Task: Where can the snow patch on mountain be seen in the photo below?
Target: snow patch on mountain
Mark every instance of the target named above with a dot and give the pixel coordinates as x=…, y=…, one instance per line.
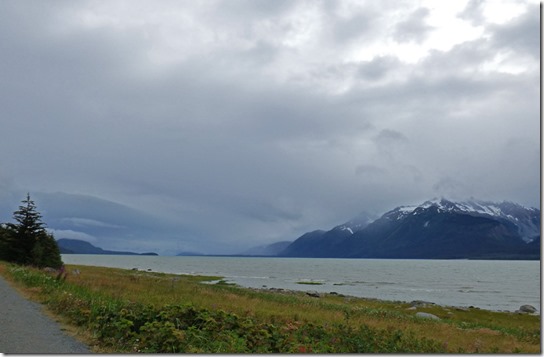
x=527, y=220
x=357, y=223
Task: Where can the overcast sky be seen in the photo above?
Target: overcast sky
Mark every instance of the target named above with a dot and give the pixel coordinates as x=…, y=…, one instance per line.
x=246, y=122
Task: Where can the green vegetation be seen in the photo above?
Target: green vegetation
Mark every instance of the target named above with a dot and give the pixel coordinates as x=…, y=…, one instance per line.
x=132, y=311
x=27, y=242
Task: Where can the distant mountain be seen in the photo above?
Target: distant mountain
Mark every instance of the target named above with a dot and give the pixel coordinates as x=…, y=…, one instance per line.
x=75, y=246
x=267, y=250
x=436, y=229
x=321, y=243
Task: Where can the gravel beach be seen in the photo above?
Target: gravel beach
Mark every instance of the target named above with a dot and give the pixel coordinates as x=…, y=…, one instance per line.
x=24, y=328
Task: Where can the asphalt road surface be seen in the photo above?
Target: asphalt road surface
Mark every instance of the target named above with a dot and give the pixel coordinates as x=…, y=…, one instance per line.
x=25, y=329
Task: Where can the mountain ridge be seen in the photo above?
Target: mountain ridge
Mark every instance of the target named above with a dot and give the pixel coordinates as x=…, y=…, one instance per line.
x=436, y=229
x=76, y=246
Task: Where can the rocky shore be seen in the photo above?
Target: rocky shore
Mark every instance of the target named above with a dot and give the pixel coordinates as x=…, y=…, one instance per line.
x=414, y=305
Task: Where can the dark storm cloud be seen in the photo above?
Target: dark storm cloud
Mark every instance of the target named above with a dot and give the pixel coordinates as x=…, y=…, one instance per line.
x=244, y=123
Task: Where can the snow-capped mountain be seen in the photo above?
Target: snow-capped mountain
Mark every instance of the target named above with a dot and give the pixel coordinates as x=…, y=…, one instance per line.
x=527, y=220
x=435, y=229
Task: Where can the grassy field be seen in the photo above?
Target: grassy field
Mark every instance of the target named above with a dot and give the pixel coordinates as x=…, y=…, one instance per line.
x=115, y=310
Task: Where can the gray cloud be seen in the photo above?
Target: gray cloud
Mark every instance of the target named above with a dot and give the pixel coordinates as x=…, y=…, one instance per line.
x=413, y=28
x=389, y=137
x=252, y=122
x=241, y=10
x=355, y=27
x=519, y=35
x=370, y=170
x=473, y=12
x=70, y=234
x=378, y=68
x=450, y=187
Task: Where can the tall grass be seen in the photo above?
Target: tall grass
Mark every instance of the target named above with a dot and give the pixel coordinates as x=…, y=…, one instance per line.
x=133, y=311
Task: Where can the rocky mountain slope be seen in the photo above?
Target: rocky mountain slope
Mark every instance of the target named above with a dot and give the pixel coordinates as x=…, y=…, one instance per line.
x=436, y=229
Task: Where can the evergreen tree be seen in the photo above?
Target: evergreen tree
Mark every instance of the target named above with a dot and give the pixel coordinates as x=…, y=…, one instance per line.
x=27, y=241
x=46, y=252
x=7, y=242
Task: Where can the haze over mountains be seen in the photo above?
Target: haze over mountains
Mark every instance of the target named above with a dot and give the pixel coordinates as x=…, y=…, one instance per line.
x=435, y=229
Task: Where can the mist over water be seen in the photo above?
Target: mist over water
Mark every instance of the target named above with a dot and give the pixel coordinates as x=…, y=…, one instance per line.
x=487, y=284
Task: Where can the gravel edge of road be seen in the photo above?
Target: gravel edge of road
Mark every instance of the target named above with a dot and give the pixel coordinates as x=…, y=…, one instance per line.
x=25, y=328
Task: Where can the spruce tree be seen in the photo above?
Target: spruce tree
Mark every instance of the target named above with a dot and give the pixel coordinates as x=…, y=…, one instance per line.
x=7, y=242
x=29, y=242
x=46, y=252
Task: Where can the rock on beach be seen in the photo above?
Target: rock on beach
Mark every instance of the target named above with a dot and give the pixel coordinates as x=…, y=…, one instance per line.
x=421, y=303
x=528, y=309
x=425, y=315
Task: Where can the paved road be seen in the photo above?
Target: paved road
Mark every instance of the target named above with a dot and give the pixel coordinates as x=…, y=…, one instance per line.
x=25, y=329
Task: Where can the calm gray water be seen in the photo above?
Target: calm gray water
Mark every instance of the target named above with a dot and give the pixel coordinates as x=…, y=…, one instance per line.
x=491, y=285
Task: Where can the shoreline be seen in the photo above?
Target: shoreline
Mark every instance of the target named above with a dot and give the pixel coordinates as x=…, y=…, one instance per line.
x=458, y=291
x=413, y=303
x=317, y=294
